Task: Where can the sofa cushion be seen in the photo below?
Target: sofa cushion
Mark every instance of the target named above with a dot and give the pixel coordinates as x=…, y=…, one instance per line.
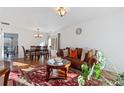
x=79, y=52
x=65, y=52
x=68, y=48
x=83, y=56
x=73, y=53
x=60, y=52
x=88, y=55
x=76, y=63
x=72, y=59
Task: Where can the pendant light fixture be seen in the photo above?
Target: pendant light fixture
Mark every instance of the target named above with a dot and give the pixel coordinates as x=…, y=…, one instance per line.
x=38, y=34
x=61, y=11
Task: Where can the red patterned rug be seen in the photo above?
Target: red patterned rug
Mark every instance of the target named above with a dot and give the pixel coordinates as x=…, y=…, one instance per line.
x=38, y=78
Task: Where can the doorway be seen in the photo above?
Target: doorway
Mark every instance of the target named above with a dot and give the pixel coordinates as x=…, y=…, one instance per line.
x=10, y=46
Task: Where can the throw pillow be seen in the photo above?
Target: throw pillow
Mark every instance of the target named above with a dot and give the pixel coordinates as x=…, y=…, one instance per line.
x=68, y=51
x=60, y=52
x=83, y=56
x=79, y=52
x=89, y=54
x=65, y=53
x=73, y=53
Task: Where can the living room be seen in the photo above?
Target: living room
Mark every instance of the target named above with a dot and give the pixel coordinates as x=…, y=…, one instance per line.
x=102, y=32
x=81, y=46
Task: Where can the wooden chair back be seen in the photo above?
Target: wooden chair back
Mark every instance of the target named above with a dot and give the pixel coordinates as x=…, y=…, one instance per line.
x=33, y=47
x=38, y=48
x=23, y=49
x=45, y=47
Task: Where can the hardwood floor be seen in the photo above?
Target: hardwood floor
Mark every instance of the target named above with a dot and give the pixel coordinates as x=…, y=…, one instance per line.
x=22, y=63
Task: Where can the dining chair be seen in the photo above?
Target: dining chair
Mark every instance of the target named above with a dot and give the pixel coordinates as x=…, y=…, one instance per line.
x=32, y=47
x=45, y=53
x=35, y=52
x=26, y=53
x=5, y=72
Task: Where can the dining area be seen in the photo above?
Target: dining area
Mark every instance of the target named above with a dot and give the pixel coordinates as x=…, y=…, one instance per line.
x=36, y=52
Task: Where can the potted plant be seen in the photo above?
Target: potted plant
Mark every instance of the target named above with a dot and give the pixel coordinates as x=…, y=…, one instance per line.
x=94, y=71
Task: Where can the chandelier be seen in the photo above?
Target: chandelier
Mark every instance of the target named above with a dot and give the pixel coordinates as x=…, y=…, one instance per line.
x=38, y=34
x=61, y=11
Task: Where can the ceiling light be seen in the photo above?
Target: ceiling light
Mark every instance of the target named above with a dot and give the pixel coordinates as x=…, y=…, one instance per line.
x=61, y=11
x=38, y=34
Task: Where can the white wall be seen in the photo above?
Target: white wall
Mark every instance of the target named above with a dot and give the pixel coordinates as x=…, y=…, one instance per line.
x=25, y=37
x=106, y=34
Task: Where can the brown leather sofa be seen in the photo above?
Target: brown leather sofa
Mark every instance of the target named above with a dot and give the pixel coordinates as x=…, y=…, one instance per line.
x=76, y=63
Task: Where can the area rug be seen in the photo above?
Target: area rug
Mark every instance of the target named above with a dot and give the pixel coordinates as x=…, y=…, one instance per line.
x=38, y=77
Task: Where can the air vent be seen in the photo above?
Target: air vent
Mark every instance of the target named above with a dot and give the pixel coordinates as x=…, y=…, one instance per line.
x=5, y=23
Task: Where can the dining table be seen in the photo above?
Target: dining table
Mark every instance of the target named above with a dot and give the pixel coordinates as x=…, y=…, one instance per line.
x=37, y=53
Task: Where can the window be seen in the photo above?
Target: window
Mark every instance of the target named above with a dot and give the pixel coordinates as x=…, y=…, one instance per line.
x=42, y=43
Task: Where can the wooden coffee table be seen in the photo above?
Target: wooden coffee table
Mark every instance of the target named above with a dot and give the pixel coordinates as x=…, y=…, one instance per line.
x=64, y=67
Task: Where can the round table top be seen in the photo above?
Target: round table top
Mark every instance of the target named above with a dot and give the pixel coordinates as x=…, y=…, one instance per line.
x=59, y=64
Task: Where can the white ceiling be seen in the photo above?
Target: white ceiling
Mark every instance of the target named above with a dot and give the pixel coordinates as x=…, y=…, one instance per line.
x=48, y=20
